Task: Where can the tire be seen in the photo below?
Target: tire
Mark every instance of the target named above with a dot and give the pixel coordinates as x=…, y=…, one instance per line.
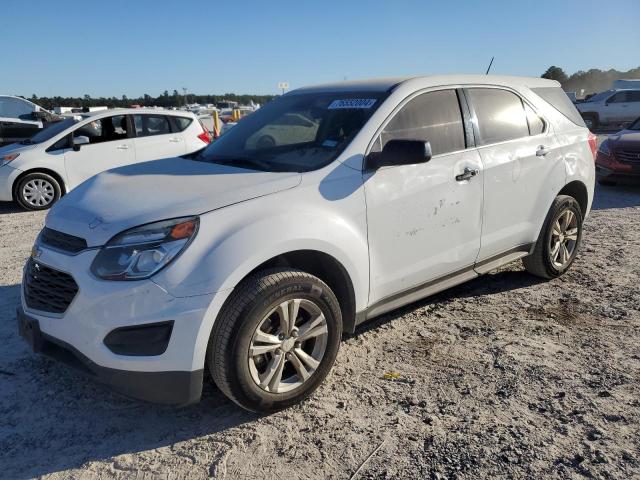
x=607, y=183
x=544, y=262
x=591, y=121
x=254, y=307
x=37, y=191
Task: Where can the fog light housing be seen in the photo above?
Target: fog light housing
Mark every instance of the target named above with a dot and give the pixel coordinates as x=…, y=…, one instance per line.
x=140, y=340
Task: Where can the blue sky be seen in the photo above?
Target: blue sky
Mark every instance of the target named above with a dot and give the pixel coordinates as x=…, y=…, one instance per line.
x=115, y=47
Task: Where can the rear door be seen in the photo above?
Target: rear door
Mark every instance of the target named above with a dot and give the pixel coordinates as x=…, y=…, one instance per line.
x=155, y=138
x=621, y=107
x=523, y=169
x=110, y=146
x=423, y=223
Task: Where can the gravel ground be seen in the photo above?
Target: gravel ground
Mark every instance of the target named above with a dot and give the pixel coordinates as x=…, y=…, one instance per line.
x=506, y=376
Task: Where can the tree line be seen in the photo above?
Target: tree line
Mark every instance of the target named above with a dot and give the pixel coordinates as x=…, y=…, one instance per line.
x=165, y=99
x=592, y=81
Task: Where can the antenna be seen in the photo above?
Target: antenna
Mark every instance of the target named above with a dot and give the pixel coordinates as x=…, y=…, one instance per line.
x=489, y=67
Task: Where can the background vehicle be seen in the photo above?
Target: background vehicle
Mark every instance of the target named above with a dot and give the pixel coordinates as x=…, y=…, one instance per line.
x=613, y=107
x=20, y=119
x=37, y=171
x=619, y=156
x=251, y=260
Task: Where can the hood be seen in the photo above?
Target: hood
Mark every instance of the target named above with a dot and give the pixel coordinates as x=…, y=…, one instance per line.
x=12, y=147
x=130, y=196
x=626, y=140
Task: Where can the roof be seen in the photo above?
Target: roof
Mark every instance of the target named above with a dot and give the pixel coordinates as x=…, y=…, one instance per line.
x=132, y=111
x=387, y=84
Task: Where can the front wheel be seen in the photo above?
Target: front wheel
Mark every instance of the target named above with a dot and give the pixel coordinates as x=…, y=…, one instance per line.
x=559, y=239
x=37, y=191
x=275, y=339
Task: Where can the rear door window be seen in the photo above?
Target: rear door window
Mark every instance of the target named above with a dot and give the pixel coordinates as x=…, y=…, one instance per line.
x=148, y=125
x=500, y=113
x=16, y=108
x=433, y=117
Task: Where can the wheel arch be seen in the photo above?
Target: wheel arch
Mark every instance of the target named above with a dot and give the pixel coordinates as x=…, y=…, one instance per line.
x=577, y=190
x=52, y=173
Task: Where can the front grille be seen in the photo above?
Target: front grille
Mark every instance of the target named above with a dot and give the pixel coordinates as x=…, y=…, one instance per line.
x=62, y=241
x=48, y=290
x=628, y=156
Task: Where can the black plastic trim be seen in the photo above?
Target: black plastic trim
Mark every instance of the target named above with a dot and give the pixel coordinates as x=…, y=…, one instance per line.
x=149, y=339
x=165, y=387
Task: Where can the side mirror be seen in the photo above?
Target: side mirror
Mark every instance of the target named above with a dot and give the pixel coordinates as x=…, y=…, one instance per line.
x=78, y=141
x=400, y=152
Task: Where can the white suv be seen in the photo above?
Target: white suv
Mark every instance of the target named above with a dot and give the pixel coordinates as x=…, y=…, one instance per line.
x=252, y=257
x=40, y=169
x=613, y=107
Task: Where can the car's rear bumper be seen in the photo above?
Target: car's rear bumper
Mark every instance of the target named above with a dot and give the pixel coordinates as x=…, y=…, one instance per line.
x=166, y=387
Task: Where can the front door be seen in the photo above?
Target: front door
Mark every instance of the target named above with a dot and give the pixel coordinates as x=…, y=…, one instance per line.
x=423, y=223
x=109, y=147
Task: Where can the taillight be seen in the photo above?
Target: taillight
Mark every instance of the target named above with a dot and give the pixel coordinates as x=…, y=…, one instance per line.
x=593, y=144
x=204, y=136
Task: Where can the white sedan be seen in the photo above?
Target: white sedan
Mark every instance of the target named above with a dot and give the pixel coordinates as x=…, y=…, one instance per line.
x=38, y=171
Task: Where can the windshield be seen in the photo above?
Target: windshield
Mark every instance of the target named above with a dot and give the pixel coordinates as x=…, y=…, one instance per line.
x=600, y=96
x=51, y=131
x=295, y=133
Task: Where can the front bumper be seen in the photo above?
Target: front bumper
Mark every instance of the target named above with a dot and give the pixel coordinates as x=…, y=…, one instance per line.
x=171, y=387
x=8, y=176
x=171, y=375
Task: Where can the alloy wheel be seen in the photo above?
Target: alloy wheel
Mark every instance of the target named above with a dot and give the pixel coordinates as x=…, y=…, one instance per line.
x=288, y=345
x=564, y=239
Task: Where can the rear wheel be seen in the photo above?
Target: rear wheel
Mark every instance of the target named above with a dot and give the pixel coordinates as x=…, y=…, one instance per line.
x=559, y=239
x=275, y=339
x=37, y=191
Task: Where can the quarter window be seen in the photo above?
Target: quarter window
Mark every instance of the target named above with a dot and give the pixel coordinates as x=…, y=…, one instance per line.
x=182, y=123
x=432, y=117
x=500, y=113
x=147, y=125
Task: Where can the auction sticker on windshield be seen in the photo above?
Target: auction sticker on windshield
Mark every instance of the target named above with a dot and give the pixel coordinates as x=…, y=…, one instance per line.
x=352, y=103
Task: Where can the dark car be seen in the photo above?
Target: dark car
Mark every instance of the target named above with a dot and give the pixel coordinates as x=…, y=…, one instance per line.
x=619, y=156
x=21, y=119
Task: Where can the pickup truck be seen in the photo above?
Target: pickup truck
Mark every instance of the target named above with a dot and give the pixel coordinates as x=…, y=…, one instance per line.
x=21, y=119
x=613, y=107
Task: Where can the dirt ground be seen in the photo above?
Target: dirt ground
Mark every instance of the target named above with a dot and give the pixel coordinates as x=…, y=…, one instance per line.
x=506, y=377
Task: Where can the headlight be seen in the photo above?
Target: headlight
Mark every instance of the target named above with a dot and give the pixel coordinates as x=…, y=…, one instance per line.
x=143, y=251
x=604, y=148
x=9, y=156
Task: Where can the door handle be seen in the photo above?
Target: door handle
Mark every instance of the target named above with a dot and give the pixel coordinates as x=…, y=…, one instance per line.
x=174, y=140
x=542, y=151
x=468, y=174
x=123, y=147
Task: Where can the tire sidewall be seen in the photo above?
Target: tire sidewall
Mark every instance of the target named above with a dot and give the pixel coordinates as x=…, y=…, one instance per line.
x=253, y=314
x=561, y=207
x=27, y=178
